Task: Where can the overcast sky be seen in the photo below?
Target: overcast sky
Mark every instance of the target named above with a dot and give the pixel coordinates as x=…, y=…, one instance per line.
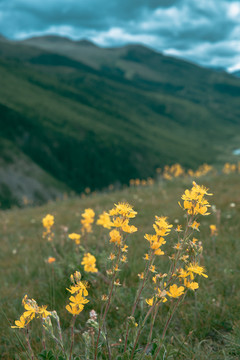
x=206, y=32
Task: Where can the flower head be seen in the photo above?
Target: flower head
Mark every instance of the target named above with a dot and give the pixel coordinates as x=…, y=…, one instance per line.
x=194, y=268
x=78, y=300
x=48, y=222
x=213, y=230
x=115, y=237
x=194, y=201
x=87, y=221
x=51, y=260
x=89, y=262
x=175, y=291
x=104, y=220
x=75, y=237
x=150, y=301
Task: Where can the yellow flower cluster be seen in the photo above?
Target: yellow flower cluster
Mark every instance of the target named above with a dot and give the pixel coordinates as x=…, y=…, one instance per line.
x=121, y=214
x=104, y=220
x=190, y=271
x=87, y=221
x=194, y=201
x=175, y=171
x=201, y=171
x=230, y=168
x=89, y=263
x=78, y=300
x=187, y=250
x=138, y=182
x=162, y=229
x=75, y=237
x=32, y=310
x=48, y=222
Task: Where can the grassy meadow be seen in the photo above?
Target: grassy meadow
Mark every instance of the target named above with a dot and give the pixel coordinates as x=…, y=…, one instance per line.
x=205, y=325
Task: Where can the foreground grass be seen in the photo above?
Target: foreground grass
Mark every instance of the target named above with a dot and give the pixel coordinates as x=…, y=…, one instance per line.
x=207, y=323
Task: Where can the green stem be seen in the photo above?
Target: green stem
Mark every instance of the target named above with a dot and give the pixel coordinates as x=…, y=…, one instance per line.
x=28, y=343
x=72, y=336
x=151, y=329
x=107, y=306
x=166, y=326
x=138, y=297
x=140, y=329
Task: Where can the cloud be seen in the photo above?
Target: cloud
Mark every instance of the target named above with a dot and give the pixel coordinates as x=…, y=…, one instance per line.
x=202, y=31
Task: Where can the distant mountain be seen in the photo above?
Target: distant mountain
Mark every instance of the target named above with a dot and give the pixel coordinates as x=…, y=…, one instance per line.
x=79, y=116
x=236, y=73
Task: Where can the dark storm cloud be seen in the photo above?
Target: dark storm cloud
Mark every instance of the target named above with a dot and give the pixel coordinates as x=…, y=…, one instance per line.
x=204, y=31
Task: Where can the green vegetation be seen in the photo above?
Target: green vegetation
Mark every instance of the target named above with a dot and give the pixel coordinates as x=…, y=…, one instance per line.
x=90, y=117
x=207, y=323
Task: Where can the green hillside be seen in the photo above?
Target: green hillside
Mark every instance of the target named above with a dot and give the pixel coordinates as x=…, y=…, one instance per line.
x=90, y=117
x=206, y=322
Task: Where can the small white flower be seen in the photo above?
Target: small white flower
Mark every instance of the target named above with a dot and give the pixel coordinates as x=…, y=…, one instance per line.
x=93, y=314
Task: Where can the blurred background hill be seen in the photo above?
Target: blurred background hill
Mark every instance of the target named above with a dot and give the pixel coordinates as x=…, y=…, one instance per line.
x=75, y=115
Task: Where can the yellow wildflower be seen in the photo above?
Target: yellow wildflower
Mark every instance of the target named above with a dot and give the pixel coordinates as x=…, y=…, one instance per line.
x=146, y=257
x=177, y=246
x=79, y=287
x=112, y=256
x=154, y=279
x=75, y=309
x=126, y=210
x=75, y=237
x=191, y=285
x=124, y=248
x=213, y=229
x=179, y=228
x=119, y=222
x=175, y=291
x=161, y=226
x=195, y=225
x=183, y=273
x=51, y=260
x=196, y=269
x=116, y=268
x=104, y=220
x=77, y=301
x=150, y=301
x=162, y=295
x=152, y=268
x=43, y=312
x=87, y=221
x=184, y=257
x=89, y=262
x=159, y=252
x=194, y=201
x=123, y=259
x=20, y=324
x=115, y=237
x=129, y=228
x=48, y=222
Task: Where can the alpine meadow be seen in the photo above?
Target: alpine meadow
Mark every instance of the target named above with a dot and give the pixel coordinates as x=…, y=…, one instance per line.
x=119, y=204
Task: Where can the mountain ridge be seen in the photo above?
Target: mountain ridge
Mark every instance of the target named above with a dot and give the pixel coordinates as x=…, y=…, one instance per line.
x=118, y=117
